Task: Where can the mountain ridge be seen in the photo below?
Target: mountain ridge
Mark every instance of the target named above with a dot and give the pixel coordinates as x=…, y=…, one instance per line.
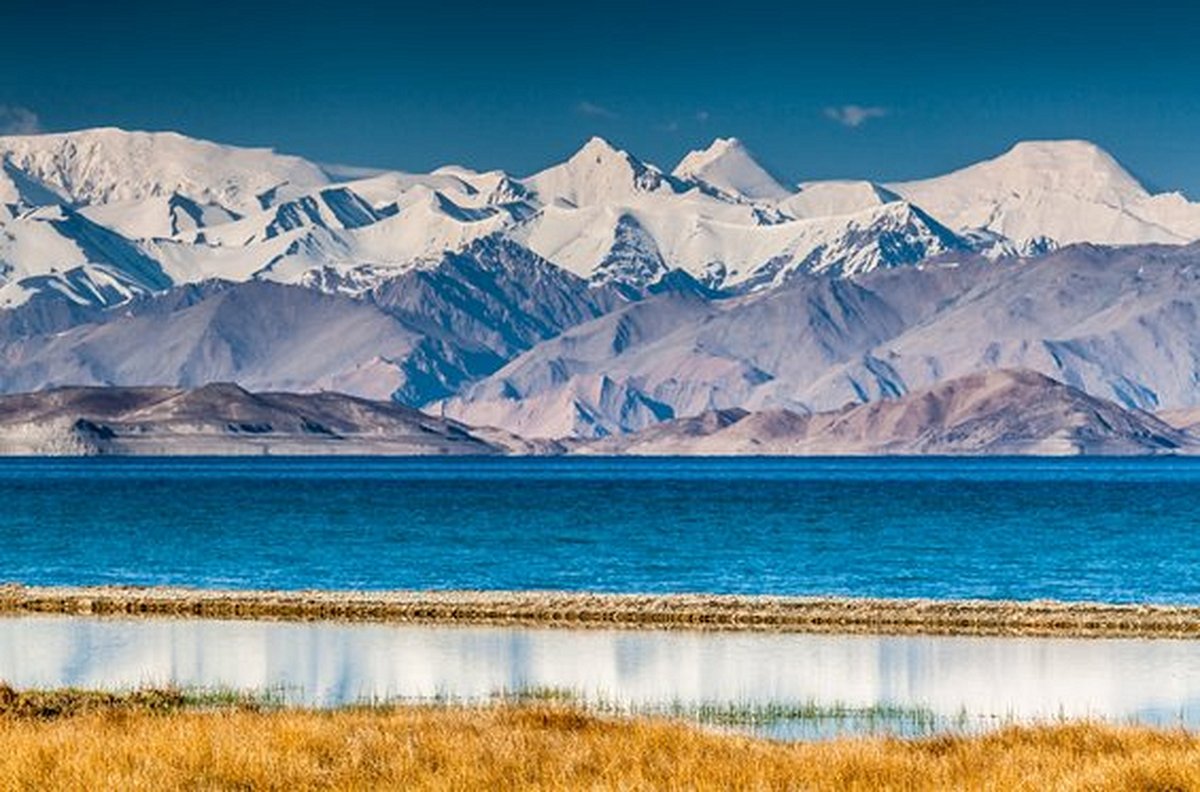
x=203, y=210
x=597, y=297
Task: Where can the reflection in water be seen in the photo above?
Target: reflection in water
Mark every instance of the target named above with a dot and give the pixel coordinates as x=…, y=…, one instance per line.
x=328, y=664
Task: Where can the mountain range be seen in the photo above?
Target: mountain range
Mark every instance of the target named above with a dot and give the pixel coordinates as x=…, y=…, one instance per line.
x=601, y=297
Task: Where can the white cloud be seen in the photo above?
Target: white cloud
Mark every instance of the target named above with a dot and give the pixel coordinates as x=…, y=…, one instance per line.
x=594, y=110
x=16, y=120
x=853, y=115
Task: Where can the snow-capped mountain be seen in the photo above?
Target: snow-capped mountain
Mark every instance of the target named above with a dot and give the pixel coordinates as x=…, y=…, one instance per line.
x=598, y=296
x=251, y=215
x=58, y=251
x=200, y=211
x=709, y=219
x=1063, y=191
x=889, y=235
x=727, y=167
x=103, y=215
x=597, y=174
x=107, y=166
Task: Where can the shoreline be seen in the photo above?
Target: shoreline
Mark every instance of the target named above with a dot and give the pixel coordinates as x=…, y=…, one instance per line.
x=584, y=610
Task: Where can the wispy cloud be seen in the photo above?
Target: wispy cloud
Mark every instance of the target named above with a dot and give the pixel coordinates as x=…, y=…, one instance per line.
x=669, y=126
x=15, y=120
x=853, y=115
x=702, y=116
x=594, y=110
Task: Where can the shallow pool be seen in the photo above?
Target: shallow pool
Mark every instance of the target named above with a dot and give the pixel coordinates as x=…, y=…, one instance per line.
x=781, y=685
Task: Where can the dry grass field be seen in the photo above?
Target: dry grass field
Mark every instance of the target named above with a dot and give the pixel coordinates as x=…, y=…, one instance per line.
x=166, y=741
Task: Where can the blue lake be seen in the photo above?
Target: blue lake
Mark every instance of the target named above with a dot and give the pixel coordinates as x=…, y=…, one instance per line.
x=1076, y=529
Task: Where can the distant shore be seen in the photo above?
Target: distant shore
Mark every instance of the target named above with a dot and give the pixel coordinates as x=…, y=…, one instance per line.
x=582, y=610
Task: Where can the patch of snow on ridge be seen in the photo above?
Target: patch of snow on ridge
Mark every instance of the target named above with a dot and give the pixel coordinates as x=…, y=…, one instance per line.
x=830, y=198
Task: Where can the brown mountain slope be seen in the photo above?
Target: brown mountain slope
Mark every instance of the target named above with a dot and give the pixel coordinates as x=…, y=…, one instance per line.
x=997, y=412
x=224, y=419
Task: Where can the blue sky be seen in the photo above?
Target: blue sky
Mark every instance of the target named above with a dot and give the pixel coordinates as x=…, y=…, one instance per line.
x=878, y=90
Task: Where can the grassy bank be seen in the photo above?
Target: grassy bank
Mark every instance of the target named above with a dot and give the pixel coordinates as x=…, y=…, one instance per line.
x=589, y=610
x=166, y=742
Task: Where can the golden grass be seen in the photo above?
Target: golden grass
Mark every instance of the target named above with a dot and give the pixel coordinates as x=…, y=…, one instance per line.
x=124, y=746
x=633, y=611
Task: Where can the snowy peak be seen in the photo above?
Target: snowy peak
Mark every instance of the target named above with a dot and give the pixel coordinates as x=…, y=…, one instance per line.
x=1072, y=156
x=598, y=173
x=1065, y=191
x=727, y=167
x=1032, y=169
x=1076, y=166
x=110, y=165
x=599, y=149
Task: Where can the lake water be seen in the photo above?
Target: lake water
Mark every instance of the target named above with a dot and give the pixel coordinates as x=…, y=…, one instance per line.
x=895, y=684
x=1076, y=529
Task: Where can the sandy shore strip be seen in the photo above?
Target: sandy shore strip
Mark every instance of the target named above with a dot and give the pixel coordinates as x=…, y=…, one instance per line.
x=622, y=611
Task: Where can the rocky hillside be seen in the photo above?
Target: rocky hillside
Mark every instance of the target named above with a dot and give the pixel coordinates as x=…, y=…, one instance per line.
x=995, y=413
x=223, y=419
